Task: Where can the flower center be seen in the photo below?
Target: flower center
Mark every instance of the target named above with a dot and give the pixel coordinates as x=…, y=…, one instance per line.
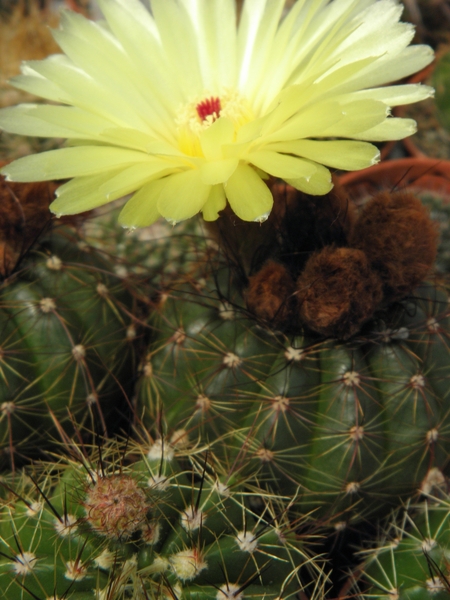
x=201, y=112
x=209, y=109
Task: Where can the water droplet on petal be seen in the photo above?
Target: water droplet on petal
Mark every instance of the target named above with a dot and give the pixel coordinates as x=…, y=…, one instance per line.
x=262, y=218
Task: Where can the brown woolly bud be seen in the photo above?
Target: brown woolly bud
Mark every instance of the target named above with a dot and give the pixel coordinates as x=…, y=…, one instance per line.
x=338, y=291
x=325, y=219
x=297, y=225
x=116, y=506
x=397, y=234
x=23, y=216
x=309, y=223
x=269, y=294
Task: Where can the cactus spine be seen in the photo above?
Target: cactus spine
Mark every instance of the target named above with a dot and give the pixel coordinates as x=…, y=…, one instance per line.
x=67, y=343
x=154, y=521
x=410, y=559
x=347, y=409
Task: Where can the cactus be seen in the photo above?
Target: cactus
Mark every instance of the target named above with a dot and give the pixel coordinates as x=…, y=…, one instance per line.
x=160, y=251
x=349, y=425
x=410, y=560
x=66, y=350
x=440, y=212
x=157, y=520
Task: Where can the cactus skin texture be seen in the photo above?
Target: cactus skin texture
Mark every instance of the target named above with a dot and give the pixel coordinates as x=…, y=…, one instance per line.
x=66, y=342
x=410, y=562
x=310, y=355
x=340, y=425
x=160, y=251
x=145, y=526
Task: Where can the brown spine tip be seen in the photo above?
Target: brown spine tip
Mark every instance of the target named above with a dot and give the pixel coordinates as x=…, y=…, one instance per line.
x=338, y=291
x=269, y=294
x=398, y=235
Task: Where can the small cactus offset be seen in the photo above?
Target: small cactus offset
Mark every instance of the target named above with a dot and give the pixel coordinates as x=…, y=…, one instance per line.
x=67, y=329
x=153, y=521
x=346, y=409
x=158, y=251
x=410, y=559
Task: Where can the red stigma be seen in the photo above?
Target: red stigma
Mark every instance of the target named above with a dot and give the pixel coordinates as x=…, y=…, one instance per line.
x=211, y=106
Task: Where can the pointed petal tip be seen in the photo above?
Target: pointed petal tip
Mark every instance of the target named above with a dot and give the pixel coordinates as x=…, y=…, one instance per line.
x=5, y=173
x=52, y=209
x=376, y=159
x=262, y=218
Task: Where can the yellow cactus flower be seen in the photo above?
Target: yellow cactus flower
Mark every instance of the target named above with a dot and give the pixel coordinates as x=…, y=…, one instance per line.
x=187, y=107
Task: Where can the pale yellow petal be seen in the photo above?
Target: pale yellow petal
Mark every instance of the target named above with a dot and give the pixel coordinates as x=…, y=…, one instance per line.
x=134, y=177
x=215, y=203
x=284, y=54
x=218, y=171
x=214, y=22
x=313, y=118
x=179, y=42
x=214, y=137
x=248, y=195
x=281, y=165
x=295, y=98
x=317, y=185
x=340, y=154
x=183, y=196
x=95, y=51
x=396, y=95
x=359, y=116
x=141, y=209
x=134, y=27
x=20, y=120
x=71, y=162
x=251, y=130
x=257, y=29
x=279, y=125
x=134, y=139
x=81, y=194
x=390, y=129
x=393, y=68
x=32, y=82
x=79, y=89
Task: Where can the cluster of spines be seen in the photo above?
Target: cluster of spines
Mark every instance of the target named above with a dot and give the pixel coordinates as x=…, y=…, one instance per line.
x=349, y=427
x=140, y=525
x=68, y=330
x=410, y=556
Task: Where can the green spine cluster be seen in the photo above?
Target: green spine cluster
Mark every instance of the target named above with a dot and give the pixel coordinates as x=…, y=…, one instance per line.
x=66, y=349
x=358, y=424
x=410, y=561
x=158, y=523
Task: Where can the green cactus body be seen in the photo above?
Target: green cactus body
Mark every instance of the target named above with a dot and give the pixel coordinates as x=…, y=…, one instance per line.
x=411, y=561
x=162, y=250
x=348, y=424
x=153, y=529
x=66, y=334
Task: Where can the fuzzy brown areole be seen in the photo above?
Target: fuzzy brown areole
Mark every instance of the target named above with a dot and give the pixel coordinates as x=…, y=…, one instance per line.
x=346, y=267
